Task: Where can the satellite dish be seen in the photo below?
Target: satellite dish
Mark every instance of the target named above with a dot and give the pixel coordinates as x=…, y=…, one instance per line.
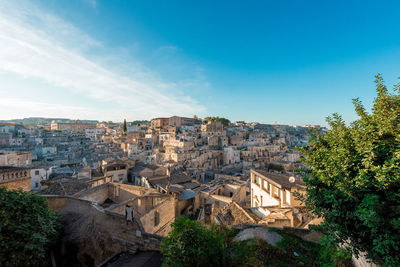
x=292, y=179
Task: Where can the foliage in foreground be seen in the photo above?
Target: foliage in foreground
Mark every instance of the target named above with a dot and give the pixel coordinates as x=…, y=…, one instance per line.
x=190, y=244
x=354, y=182
x=27, y=228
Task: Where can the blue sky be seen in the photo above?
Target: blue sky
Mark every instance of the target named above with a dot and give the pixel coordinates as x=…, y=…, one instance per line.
x=291, y=62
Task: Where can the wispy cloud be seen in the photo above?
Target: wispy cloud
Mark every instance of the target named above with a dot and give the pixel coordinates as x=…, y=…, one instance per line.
x=39, y=45
x=42, y=109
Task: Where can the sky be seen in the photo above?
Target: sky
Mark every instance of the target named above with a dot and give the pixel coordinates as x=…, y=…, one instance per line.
x=288, y=62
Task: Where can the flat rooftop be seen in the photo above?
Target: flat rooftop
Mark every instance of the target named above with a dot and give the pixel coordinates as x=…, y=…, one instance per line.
x=281, y=180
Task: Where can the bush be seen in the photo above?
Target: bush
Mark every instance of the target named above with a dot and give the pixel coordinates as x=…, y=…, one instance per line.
x=27, y=228
x=190, y=244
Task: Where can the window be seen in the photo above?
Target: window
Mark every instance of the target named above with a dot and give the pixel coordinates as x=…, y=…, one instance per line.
x=36, y=172
x=156, y=218
x=276, y=191
x=256, y=180
x=36, y=185
x=264, y=185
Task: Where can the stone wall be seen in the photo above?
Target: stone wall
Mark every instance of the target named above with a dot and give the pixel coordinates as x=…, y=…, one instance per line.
x=96, y=194
x=91, y=234
x=99, y=181
x=24, y=184
x=136, y=190
x=240, y=195
x=125, y=195
x=181, y=205
x=114, y=191
x=166, y=215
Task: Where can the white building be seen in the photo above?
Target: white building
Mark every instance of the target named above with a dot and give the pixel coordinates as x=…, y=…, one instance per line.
x=94, y=133
x=49, y=150
x=37, y=175
x=274, y=190
x=132, y=128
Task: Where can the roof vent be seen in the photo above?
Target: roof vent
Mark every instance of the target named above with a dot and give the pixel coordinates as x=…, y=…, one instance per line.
x=292, y=179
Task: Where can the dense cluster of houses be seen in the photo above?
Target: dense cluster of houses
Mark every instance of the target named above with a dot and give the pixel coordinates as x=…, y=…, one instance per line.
x=153, y=172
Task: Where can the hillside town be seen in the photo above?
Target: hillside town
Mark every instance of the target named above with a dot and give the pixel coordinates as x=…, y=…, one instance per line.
x=201, y=149
x=199, y=133
x=148, y=173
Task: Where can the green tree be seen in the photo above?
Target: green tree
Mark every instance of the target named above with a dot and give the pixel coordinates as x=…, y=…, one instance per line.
x=125, y=128
x=27, y=228
x=354, y=179
x=190, y=244
x=224, y=121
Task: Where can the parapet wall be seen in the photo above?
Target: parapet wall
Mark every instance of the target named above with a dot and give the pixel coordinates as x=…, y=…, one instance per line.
x=96, y=194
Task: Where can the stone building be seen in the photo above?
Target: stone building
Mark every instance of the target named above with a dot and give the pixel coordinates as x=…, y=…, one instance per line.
x=159, y=122
x=115, y=168
x=15, y=158
x=231, y=156
x=94, y=133
x=175, y=121
x=215, y=128
x=73, y=126
x=141, y=173
x=5, y=138
x=180, y=121
x=14, y=178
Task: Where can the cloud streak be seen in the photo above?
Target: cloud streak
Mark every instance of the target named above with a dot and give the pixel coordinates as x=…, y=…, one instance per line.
x=39, y=45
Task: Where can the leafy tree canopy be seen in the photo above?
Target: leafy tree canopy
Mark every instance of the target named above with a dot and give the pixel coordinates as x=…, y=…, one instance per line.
x=27, y=228
x=190, y=244
x=138, y=122
x=224, y=121
x=354, y=182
